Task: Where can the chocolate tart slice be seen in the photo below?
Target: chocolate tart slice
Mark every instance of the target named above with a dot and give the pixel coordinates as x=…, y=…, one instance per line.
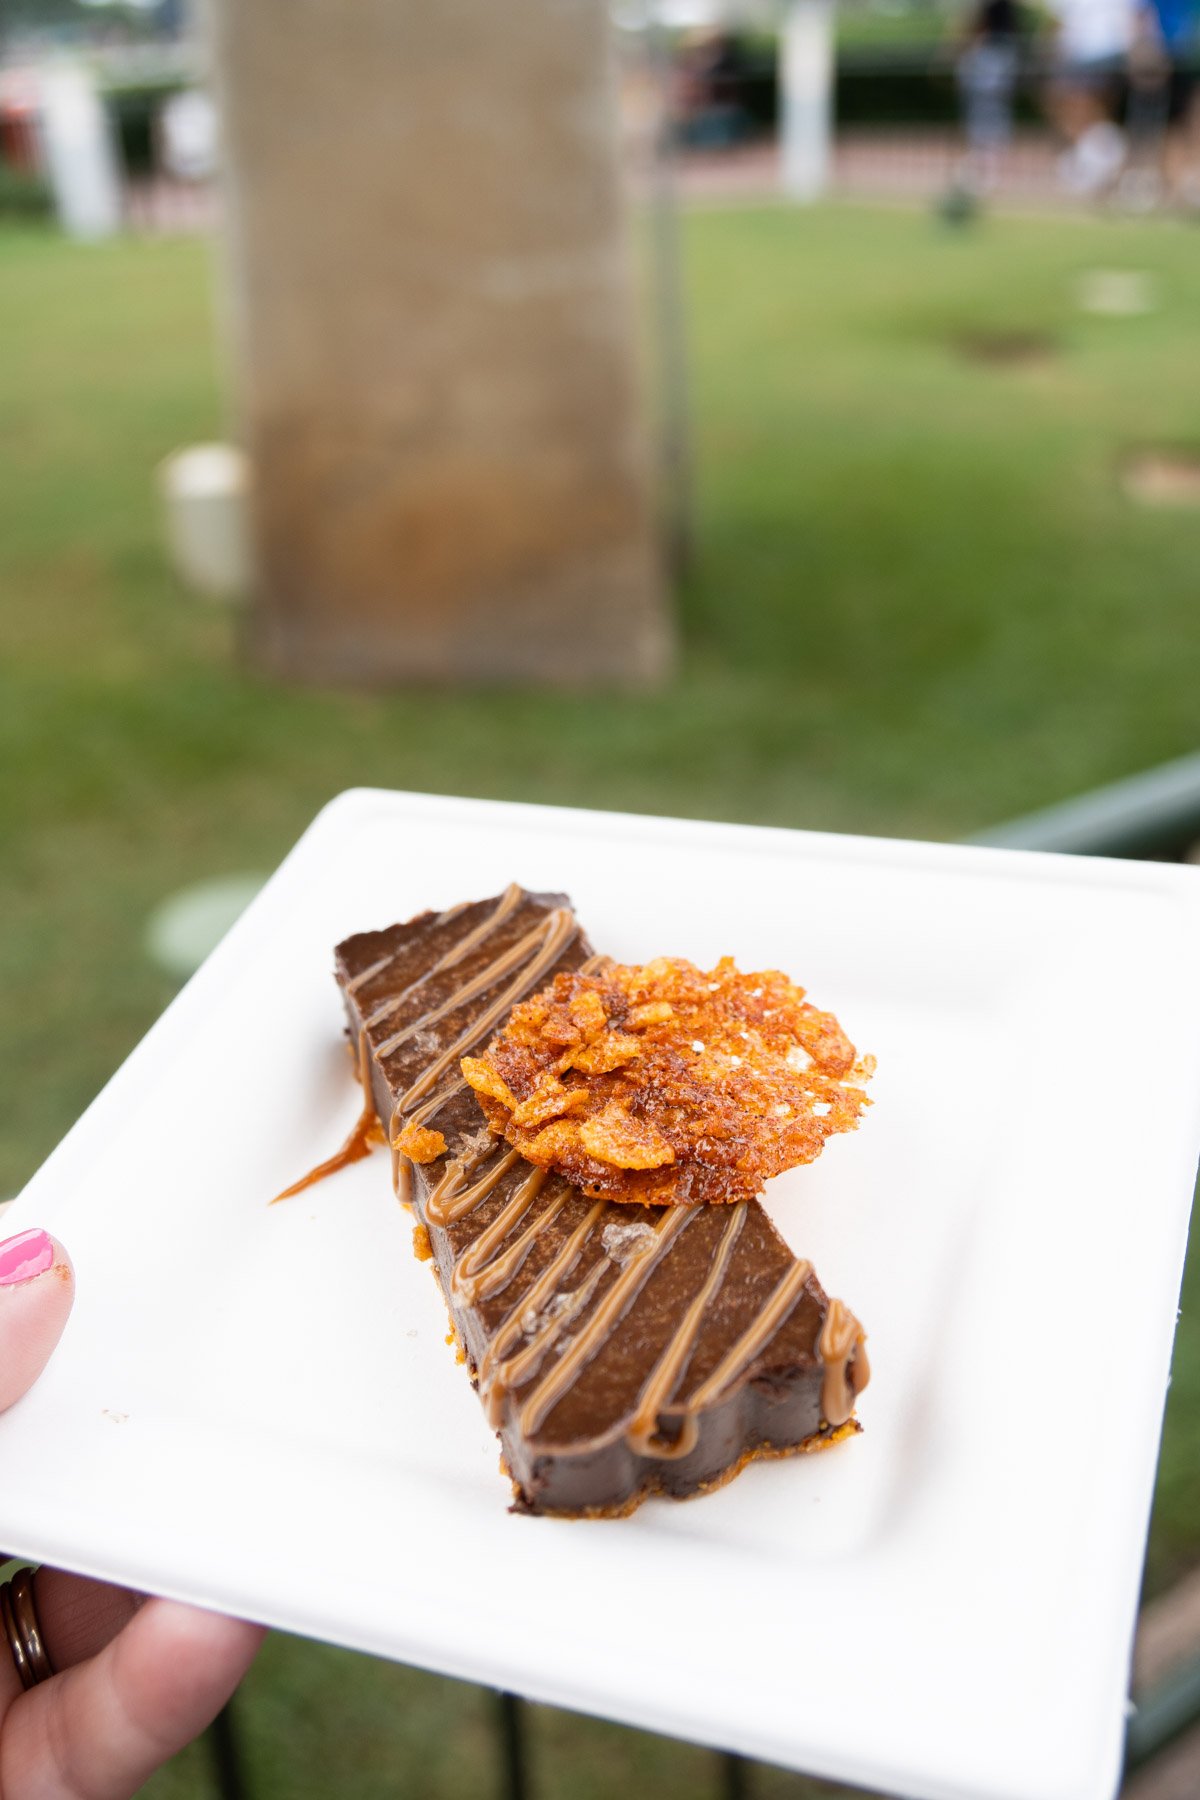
x=619, y=1350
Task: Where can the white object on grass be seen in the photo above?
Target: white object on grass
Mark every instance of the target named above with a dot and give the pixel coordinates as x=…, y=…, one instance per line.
x=189, y=926
x=1121, y=293
x=205, y=490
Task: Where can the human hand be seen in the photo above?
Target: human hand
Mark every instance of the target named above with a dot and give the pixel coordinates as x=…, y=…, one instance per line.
x=137, y=1679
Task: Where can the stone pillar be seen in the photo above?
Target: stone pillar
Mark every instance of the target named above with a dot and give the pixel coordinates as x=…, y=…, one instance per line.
x=434, y=339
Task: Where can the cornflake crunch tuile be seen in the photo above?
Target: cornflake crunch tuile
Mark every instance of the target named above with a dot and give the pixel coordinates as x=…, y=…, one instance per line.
x=664, y=1084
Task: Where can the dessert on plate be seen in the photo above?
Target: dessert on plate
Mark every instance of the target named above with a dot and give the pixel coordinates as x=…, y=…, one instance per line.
x=620, y=1348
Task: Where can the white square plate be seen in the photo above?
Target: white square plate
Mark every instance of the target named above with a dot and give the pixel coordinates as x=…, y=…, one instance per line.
x=943, y=1606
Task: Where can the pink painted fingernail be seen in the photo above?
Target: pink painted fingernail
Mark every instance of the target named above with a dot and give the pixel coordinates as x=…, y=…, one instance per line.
x=22, y=1257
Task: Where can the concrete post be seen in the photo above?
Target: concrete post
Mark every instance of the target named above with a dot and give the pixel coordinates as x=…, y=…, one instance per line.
x=434, y=340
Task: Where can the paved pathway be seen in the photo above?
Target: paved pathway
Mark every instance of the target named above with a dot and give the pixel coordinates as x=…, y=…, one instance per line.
x=915, y=167
x=885, y=165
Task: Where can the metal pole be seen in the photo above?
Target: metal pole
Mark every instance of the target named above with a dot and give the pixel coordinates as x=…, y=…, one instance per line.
x=735, y=1776
x=227, y=1762
x=1153, y=814
x=513, y=1768
x=1164, y=1714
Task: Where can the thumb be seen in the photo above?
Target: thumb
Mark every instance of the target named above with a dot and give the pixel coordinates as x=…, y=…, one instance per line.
x=37, y=1287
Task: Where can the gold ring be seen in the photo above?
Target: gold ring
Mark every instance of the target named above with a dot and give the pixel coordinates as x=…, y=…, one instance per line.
x=23, y=1629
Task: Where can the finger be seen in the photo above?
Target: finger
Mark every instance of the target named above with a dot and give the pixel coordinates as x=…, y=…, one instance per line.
x=79, y=1616
x=100, y=1730
x=37, y=1287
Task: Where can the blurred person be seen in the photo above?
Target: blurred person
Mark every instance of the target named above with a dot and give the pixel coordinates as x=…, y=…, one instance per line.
x=98, y=1687
x=1164, y=110
x=1149, y=70
x=1092, y=42
x=708, y=90
x=187, y=135
x=986, y=72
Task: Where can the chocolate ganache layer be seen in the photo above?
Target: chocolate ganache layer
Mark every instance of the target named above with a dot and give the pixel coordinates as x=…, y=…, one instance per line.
x=619, y=1350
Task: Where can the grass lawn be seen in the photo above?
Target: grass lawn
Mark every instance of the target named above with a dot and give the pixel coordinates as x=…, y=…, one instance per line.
x=920, y=604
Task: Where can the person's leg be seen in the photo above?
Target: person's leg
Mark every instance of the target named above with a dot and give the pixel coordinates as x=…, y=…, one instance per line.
x=1096, y=145
x=1181, y=148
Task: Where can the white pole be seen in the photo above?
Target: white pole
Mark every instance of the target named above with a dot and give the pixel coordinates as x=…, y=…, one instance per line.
x=806, y=94
x=79, y=152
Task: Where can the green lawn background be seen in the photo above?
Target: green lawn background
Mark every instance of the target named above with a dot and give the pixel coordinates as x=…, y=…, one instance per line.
x=920, y=604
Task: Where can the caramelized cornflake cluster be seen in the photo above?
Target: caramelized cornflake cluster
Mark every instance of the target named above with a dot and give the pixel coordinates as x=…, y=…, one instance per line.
x=419, y=1144
x=664, y=1084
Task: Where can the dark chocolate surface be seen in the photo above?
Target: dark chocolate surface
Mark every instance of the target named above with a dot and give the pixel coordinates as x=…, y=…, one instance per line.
x=619, y=1350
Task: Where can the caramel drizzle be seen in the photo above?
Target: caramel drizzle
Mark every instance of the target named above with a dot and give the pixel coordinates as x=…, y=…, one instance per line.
x=449, y=1201
x=368, y=1130
x=364, y=1135
x=620, y=1295
x=402, y=1175
x=509, y=959
x=401, y=1164
x=369, y=974
x=498, y=1375
x=504, y=1267
x=556, y=933
x=548, y=940
x=843, y=1380
x=482, y=1268
x=507, y=903
x=479, y=1271
x=509, y=900
x=641, y=1433
x=437, y=1209
x=758, y=1333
